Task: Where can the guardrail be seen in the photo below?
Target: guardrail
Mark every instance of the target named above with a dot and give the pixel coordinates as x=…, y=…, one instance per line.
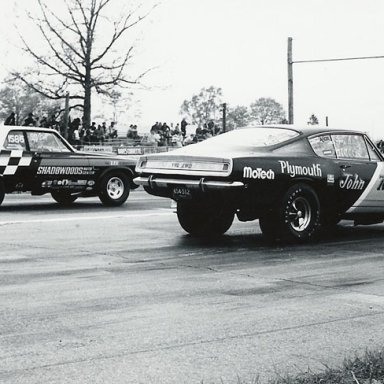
x=122, y=147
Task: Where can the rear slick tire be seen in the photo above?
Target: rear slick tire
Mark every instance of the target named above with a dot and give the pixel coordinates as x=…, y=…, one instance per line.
x=204, y=218
x=297, y=218
x=301, y=213
x=63, y=198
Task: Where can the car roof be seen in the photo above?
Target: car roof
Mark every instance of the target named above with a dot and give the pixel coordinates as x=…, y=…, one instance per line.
x=308, y=130
x=4, y=129
x=25, y=128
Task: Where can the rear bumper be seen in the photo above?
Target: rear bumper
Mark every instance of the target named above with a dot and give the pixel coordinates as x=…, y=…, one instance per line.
x=201, y=184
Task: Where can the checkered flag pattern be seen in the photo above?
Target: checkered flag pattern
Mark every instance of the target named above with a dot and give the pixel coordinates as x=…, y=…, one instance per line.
x=11, y=160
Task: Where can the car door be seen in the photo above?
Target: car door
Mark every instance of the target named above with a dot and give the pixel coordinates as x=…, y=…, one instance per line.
x=358, y=167
x=15, y=161
x=54, y=164
x=351, y=166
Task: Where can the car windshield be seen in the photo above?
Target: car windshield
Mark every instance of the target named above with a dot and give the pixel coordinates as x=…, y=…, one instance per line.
x=46, y=142
x=252, y=137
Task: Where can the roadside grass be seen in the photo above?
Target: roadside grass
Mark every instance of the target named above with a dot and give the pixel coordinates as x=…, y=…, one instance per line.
x=368, y=369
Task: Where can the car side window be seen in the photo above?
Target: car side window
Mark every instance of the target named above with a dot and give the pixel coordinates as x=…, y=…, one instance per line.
x=350, y=147
x=15, y=140
x=323, y=146
x=45, y=142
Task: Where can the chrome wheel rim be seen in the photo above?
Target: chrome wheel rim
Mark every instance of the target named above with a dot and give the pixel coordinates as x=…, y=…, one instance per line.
x=115, y=188
x=299, y=214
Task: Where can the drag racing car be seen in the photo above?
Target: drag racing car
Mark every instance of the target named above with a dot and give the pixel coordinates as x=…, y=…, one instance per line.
x=294, y=180
x=40, y=160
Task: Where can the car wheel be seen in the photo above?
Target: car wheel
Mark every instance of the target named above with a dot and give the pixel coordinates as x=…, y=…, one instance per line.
x=114, y=189
x=2, y=191
x=300, y=213
x=63, y=198
x=204, y=218
x=297, y=218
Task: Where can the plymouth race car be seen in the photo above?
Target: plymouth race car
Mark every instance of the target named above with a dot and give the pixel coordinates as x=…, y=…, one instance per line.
x=39, y=160
x=294, y=180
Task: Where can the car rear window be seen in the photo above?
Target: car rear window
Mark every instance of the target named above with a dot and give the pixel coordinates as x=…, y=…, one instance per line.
x=252, y=137
x=323, y=146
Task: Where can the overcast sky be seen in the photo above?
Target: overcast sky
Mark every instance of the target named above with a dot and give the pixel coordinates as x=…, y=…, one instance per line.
x=241, y=46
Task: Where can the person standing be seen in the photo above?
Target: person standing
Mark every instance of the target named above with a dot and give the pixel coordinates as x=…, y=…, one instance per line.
x=10, y=120
x=99, y=134
x=183, y=127
x=104, y=128
x=112, y=133
x=29, y=121
x=53, y=123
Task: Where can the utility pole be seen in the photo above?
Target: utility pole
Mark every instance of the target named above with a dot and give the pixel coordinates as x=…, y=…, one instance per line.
x=290, y=82
x=66, y=115
x=224, y=116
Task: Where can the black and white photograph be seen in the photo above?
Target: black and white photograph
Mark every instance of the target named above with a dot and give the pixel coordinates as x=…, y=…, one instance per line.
x=192, y=192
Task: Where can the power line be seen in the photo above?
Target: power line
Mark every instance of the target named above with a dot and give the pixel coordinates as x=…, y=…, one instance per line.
x=290, y=72
x=340, y=59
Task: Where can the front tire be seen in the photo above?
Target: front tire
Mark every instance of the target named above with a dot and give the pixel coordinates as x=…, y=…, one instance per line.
x=114, y=189
x=297, y=217
x=63, y=198
x=204, y=218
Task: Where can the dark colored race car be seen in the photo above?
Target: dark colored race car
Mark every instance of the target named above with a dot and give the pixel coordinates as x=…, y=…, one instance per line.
x=294, y=180
x=40, y=161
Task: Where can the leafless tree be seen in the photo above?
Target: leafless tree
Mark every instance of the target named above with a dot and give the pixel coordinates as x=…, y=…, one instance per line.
x=79, y=56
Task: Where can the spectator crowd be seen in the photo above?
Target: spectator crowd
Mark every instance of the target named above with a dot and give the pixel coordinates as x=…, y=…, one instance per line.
x=160, y=134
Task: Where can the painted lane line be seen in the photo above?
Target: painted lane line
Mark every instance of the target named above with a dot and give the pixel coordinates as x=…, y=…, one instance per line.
x=83, y=218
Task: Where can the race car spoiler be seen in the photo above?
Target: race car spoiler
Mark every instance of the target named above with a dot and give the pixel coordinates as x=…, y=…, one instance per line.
x=201, y=184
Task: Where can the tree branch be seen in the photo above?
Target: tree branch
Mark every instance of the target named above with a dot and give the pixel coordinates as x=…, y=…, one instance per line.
x=54, y=31
x=44, y=62
x=119, y=31
x=50, y=94
x=73, y=69
x=75, y=23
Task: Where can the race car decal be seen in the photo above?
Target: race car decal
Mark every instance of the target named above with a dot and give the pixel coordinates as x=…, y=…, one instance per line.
x=43, y=170
x=351, y=182
x=258, y=173
x=372, y=195
x=67, y=184
x=11, y=160
x=330, y=179
x=294, y=170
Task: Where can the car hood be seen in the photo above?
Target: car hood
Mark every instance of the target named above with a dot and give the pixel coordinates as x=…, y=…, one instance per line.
x=106, y=155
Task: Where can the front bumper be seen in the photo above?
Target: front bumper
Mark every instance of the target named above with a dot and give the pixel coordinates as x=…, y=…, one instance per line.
x=201, y=184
